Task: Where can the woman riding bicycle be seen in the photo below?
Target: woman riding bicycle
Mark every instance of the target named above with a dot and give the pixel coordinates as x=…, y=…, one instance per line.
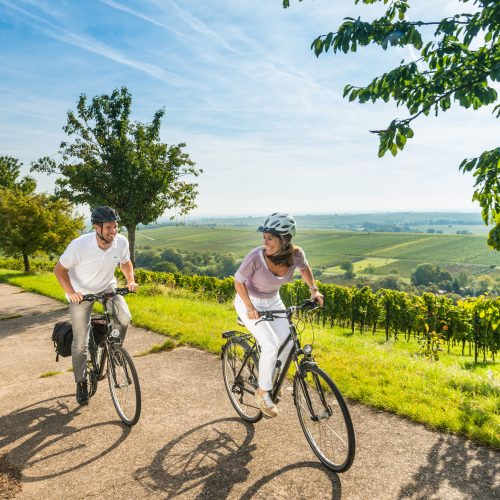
x=257, y=283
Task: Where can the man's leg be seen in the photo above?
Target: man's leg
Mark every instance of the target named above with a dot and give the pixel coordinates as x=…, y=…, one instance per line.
x=80, y=322
x=121, y=313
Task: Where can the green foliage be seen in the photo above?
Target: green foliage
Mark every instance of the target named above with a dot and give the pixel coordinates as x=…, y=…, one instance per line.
x=18, y=265
x=348, y=267
x=9, y=172
x=430, y=344
x=427, y=274
x=114, y=161
x=460, y=64
x=216, y=264
x=390, y=282
x=35, y=223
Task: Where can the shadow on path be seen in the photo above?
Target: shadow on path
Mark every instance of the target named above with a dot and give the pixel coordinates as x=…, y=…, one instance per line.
x=206, y=462
x=18, y=325
x=50, y=446
x=471, y=470
x=309, y=471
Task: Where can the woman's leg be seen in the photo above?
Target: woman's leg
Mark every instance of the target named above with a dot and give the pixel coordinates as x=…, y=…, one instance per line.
x=269, y=334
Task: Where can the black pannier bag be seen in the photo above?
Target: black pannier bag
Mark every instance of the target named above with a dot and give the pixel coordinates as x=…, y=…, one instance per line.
x=62, y=336
x=99, y=329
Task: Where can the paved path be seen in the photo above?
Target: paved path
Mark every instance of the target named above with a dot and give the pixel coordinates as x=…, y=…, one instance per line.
x=189, y=443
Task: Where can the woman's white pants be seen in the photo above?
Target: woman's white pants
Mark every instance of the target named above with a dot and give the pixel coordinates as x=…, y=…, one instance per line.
x=269, y=334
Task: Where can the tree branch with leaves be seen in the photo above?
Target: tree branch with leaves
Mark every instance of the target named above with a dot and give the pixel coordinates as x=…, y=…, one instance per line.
x=460, y=65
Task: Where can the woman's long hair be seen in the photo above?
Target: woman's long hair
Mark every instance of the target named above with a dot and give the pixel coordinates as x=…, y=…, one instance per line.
x=285, y=255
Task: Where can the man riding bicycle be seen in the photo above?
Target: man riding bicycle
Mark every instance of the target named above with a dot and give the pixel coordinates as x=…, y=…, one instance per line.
x=87, y=266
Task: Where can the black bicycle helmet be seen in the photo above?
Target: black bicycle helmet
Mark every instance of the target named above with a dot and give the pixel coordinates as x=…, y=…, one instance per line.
x=104, y=214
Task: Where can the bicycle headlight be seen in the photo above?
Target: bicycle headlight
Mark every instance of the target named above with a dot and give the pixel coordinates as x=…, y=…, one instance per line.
x=308, y=349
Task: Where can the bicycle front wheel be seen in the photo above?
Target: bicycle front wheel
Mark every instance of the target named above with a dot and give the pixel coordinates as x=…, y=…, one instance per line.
x=324, y=418
x=124, y=384
x=239, y=368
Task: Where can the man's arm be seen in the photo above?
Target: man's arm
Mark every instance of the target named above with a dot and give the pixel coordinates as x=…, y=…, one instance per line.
x=128, y=272
x=62, y=276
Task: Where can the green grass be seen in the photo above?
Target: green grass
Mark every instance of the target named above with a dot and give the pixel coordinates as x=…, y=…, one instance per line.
x=167, y=345
x=49, y=374
x=451, y=395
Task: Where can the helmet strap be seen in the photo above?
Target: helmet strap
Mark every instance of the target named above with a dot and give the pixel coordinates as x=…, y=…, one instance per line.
x=101, y=236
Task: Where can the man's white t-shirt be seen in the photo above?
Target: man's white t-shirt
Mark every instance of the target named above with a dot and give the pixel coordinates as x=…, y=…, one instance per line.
x=92, y=269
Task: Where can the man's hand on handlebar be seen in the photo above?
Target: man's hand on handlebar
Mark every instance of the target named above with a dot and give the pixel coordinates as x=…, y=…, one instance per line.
x=75, y=297
x=132, y=286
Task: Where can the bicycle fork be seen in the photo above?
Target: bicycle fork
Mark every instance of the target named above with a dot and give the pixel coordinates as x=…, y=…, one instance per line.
x=315, y=417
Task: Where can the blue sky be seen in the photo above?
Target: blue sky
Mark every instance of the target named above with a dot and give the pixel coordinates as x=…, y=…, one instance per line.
x=261, y=115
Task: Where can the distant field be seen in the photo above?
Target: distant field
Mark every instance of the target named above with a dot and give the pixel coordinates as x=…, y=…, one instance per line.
x=386, y=252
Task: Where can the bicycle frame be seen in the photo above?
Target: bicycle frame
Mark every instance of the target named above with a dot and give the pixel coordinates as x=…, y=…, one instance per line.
x=293, y=356
x=93, y=347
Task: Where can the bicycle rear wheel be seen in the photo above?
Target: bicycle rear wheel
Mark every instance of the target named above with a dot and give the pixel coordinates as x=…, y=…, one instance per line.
x=324, y=418
x=124, y=384
x=241, y=378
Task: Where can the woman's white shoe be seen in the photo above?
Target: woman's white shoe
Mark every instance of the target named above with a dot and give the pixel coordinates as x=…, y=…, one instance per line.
x=266, y=404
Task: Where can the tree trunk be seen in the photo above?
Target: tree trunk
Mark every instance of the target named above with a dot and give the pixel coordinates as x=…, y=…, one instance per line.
x=131, y=240
x=26, y=263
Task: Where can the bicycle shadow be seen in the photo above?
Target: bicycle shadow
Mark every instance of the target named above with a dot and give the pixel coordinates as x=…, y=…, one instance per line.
x=206, y=461
x=49, y=445
x=297, y=490
x=472, y=470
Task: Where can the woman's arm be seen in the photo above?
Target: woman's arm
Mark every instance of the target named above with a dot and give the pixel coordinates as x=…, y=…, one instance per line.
x=242, y=291
x=308, y=278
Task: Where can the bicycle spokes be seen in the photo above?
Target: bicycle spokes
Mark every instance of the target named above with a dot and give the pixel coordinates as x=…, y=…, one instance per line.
x=324, y=418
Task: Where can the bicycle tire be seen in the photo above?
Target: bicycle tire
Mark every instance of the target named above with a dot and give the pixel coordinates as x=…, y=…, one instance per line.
x=241, y=390
x=328, y=427
x=123, y=384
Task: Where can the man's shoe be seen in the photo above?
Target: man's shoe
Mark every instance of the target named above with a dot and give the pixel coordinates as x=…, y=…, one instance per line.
x=82, y=393
x=266, y=404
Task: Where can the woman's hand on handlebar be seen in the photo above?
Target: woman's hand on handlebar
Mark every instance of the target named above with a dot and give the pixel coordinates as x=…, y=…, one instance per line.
x=252, y=313
x=317, y=297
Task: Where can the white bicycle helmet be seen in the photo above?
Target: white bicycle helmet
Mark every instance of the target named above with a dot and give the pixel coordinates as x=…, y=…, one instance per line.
x=279, y=223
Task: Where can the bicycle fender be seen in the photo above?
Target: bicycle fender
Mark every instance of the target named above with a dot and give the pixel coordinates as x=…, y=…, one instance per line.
x=306, y=364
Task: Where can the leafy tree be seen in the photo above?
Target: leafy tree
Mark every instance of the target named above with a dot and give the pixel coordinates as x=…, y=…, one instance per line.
x=462, y=279
x=459, y=65
x=390, y=282
x=9, y=172
x=424, y=274
x=110, y=160
x=35, y=223
x=348, y=267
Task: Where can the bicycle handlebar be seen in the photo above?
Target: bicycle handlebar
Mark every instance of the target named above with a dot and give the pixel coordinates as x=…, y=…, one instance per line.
x=309, y=305
x=105, y=295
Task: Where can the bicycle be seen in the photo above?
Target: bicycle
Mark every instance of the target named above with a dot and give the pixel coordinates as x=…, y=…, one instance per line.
x=108, y=358
x=321, y=408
